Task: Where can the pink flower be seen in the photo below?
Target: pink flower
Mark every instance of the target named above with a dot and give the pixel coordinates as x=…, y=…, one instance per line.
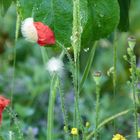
x=3, y=103
x=37, y=32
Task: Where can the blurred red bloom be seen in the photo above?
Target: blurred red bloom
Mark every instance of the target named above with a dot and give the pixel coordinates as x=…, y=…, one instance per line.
x=45, y=34
x=3, y=103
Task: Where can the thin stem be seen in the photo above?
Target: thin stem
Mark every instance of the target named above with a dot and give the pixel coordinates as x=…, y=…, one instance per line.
x=50, y=119
x=115, y=69
x=65, y=116
x=114, y=63
x=133, y=66
x=103, y=123
x=14, y=53
x=97, y=109
x=44, y=55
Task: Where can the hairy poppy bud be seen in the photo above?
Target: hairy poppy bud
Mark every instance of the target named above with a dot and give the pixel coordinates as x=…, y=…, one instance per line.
x=37, y=32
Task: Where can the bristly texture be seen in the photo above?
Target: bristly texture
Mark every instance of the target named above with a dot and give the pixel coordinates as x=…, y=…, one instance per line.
x=37, y=32
x=3, y=103
x=55, y=65
x=45, y=34
x=28, y=30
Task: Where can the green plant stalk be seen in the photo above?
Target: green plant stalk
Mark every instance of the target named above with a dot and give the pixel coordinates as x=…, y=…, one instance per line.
x=14, y=53
x=44, y=55
x=133, y=66
x=115, y=69
x=65, y=116
x=50, y=119
x=76, y=44
x=114, y=63
x=97, y=109
x=103, y=123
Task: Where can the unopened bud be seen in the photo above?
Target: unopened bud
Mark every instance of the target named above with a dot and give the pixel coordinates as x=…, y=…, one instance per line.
x=131, y=42
x=97, y=77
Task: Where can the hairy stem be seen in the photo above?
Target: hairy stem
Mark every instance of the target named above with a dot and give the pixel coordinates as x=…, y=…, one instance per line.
x=76, y=44
x=65, y=116
x=133, y=77
x=50, y=119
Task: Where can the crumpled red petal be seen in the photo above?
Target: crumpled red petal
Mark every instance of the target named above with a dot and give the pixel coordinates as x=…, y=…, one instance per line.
x=3, y=103
x=45, y=34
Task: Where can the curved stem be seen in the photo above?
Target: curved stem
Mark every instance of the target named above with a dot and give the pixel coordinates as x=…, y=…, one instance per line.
x=107, y=121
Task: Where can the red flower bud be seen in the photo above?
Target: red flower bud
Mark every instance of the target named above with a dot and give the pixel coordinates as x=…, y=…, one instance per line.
x=37, y=32
x=45, y=34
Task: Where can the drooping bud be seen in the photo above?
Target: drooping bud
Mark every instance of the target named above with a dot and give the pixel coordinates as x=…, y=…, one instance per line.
x=37, y=32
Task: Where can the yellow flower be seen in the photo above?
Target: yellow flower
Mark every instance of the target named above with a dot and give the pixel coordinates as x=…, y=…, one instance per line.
x=139, y=134
x=118, y=137
x=74, y=131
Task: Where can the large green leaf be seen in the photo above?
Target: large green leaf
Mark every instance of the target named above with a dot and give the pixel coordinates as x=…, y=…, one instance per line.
x=98, y=17
x=55, y=13
x=103, y=17
x=124, y=15
x=4, y=5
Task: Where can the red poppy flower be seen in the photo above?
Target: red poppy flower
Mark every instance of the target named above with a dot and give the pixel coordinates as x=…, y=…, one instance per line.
x=3, y=103
x=37, y=32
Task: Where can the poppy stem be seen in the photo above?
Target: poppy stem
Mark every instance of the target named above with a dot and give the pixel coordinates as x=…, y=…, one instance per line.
x=50, y=119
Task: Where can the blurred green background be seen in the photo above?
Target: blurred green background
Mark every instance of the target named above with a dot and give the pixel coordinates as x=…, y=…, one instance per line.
x=32, y=83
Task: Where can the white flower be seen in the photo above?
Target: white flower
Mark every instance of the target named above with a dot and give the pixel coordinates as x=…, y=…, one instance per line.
x=55, y=65
x=28, y=30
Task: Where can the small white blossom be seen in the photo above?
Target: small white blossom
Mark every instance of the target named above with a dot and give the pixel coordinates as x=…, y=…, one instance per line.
x=55, y=65
x=28, y=30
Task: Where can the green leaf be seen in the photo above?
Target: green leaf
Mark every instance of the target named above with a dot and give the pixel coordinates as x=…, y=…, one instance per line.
x=4, y=5
x=98, y=18
x=55, y=13
x=124, y=15
x=103, y=17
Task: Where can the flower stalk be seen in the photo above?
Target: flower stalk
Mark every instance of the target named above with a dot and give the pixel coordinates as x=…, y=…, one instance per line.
x=50, y=119
x=134, y=80
x=97, y=78
x=76, y=44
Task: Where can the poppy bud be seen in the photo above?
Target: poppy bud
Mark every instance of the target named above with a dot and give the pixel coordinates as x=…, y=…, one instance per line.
x=37, y=32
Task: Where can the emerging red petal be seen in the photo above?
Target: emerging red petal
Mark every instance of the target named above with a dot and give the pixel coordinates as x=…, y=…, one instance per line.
x=45, y=34
x=3, y=103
